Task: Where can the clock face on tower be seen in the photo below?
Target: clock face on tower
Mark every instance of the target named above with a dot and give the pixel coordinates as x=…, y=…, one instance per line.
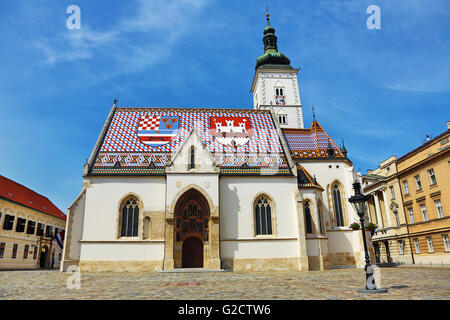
x=280, y=100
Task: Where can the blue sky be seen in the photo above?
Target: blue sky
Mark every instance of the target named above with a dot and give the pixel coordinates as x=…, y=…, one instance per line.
x=381, y=90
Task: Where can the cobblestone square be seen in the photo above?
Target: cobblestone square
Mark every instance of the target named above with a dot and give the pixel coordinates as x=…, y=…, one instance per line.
x=403, y=283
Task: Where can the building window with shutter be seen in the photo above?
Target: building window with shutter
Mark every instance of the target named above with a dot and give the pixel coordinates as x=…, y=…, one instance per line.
x=401, y=247
x=397, y=219
x=391, y=189
x=20, y=226
x=40, y=229
x=423, y=208
x=31, y=226
x=430, y=245
x=14, y=252
x=432, y=177
x=418, y=183
x=439, y=210
x=405, y=187
x=48, y=231
x=25, y=251
x=416, y=245
x=446, y=242
x=411, y=216
x=9, y=222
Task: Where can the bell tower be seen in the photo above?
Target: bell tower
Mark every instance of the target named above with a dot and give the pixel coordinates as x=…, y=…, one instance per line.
x=275, y=83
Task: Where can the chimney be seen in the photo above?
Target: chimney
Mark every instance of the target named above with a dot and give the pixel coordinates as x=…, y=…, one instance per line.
x=448, y=125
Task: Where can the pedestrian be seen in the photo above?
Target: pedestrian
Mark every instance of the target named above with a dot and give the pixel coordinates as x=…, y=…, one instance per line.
x=53, y=261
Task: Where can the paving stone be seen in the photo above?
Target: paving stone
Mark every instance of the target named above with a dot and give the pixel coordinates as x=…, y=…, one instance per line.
x=403, y=283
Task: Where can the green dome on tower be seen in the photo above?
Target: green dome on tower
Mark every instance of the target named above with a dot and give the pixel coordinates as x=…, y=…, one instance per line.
x=271, y=58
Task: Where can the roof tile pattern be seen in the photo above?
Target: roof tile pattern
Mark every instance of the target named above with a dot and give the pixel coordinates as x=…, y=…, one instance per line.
x=122, y=145
x=310, y=143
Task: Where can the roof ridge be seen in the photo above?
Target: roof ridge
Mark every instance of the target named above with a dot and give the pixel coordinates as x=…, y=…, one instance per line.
x=24, y=187
x=422, y=146
x=197, y=109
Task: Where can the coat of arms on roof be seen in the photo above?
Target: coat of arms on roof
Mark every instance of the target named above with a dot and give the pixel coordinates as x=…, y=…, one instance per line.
x=234, y=131
x=157, y=130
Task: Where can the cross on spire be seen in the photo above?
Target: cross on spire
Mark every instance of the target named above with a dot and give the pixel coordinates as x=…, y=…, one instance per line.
x=267, y=15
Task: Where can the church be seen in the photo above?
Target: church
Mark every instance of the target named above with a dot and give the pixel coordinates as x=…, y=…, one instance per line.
x=218, y=189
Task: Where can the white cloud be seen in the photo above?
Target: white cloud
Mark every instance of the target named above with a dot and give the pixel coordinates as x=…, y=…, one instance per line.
x=157, y=24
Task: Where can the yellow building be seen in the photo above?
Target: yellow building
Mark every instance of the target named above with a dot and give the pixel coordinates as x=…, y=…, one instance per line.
x=410, y=203
x=424, y=176
x=386, y=211
x=28, y=225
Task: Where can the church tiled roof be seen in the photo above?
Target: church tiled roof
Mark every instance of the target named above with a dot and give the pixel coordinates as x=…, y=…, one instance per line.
x=304, y=179
x=15, y=192
x=137, y=142
x=311, y=143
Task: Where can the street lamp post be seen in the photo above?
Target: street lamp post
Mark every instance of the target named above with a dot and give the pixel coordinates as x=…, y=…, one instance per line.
x=359, y=203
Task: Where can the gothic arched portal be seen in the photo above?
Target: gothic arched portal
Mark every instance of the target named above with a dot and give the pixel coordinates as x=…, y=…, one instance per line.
x=192, y=215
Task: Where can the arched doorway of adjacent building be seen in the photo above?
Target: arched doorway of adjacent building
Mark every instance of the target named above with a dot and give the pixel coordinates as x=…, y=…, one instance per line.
x=43, y=257
x=191, y=229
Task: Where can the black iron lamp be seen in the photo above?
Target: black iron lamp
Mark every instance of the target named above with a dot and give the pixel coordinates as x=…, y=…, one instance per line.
x=359, y=203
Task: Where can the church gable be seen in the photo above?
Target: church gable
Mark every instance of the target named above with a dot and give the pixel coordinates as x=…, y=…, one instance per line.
x=311, y=143
x=145, y=140
x=192, y=157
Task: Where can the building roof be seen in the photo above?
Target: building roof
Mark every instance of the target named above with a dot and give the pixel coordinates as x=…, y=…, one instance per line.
x=143, y=141
x=425, y=145
x=312, y=143
x=15, y=192
x=304, y=179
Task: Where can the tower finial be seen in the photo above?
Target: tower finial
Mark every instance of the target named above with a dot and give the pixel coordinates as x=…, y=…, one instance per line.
x=314, y=113
x=267, y=15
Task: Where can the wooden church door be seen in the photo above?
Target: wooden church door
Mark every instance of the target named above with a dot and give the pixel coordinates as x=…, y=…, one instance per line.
x=192, y=253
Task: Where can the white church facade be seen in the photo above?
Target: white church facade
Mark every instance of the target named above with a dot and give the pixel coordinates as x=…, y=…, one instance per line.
x=239, y=189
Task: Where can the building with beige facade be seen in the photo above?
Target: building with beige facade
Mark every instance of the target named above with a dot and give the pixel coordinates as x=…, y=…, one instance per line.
x=410, y=203
x=28, y=224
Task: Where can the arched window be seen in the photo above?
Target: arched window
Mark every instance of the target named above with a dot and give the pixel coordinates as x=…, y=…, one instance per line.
x=192, y=158
x=308, y=222
x=263, y=216
x=129, y=217
x=282, y=118
x=319, y=213
x=338, y=206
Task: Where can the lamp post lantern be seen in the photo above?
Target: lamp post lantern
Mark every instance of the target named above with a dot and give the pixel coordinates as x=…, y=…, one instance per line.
x=359, y=203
